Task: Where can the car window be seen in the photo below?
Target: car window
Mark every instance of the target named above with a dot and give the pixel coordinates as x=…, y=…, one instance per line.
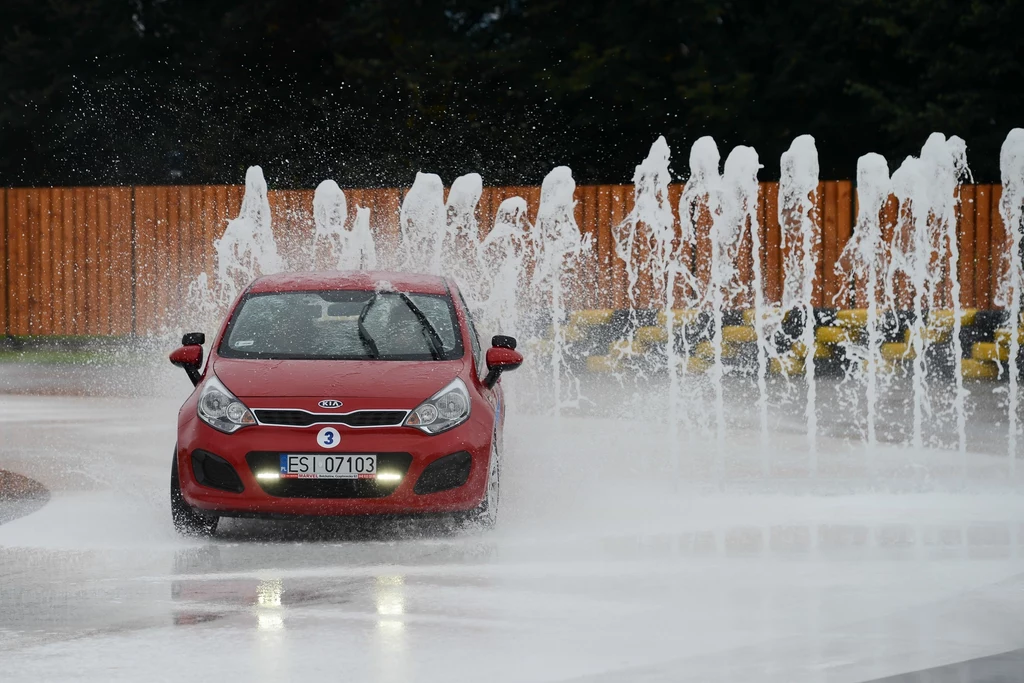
x=326, y=325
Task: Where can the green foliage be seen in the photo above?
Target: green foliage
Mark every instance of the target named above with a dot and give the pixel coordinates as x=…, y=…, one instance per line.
x=369, y=91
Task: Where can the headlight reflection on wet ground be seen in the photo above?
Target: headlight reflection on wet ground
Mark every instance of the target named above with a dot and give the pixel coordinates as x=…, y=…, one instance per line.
x=268, y=605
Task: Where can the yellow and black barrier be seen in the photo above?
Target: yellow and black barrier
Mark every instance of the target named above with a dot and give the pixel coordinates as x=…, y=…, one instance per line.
x=616, y=341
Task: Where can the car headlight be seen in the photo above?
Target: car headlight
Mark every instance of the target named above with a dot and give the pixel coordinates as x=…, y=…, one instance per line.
x=446, y=409
x=219, y=408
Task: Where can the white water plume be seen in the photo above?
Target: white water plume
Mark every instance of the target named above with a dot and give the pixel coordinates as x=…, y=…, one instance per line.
x=801, y=236
x=422, y=221
x=346, y=248
x=524, y=280
x=461, y=248
x=245, y=251
x=503, y=255
x=557, y=248
x=1011, y=207
x=645, y=242
x=700, y=211
x=739, y=211
x=864, y=256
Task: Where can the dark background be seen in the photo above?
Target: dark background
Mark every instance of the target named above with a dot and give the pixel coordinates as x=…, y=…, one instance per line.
x=368, y=92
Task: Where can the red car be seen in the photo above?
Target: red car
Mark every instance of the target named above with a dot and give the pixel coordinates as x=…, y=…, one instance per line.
x=341, y=393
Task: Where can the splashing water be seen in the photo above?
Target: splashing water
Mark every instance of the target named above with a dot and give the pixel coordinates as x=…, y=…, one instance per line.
x=423, y=225
x=864, y=255
x=244, y=252
x=739, y=210
x=650, y=229
x=558, y=245
x=337, y=246
x=503, y=255
x=461, y=247
x=798, y=189
x=1011, y=206
x=522, y=279
x=699, y=208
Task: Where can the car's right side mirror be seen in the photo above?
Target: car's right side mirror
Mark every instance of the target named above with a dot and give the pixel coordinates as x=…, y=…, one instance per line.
x=503, y=341
x=501, y=359
x=190, y=355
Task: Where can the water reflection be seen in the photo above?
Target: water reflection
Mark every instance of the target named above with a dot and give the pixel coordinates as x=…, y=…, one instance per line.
x=389, y=594
x=268, y=605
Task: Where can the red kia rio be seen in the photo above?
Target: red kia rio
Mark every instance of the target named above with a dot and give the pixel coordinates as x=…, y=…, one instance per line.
x=341, y=393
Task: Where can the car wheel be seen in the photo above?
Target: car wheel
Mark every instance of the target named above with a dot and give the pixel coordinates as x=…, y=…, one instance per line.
x=187, y=520
x=486, y=514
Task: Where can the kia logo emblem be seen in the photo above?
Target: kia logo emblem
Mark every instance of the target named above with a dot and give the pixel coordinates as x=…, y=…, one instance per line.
x=330, y=403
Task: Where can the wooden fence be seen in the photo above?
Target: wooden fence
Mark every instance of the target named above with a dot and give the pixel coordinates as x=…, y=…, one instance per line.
x=118, y=260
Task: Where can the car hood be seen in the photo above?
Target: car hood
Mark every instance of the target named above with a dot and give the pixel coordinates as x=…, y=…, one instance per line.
x=341, y=380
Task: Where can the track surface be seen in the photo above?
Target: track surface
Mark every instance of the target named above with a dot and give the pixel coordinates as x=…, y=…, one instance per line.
x=600, y=570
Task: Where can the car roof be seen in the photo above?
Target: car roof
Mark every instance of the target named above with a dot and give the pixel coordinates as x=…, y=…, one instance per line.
x=348, y=279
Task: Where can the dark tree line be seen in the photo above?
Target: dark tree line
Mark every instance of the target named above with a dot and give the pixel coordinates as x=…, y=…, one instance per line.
x=369, y=91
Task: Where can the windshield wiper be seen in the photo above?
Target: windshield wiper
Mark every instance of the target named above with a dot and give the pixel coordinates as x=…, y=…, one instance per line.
x=436, y=345
x=364, y=336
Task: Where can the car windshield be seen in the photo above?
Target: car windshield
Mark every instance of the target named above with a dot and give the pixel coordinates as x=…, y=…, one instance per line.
x=344, y=325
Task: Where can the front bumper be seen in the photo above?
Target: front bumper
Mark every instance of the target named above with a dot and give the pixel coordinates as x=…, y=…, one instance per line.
x=246, y=449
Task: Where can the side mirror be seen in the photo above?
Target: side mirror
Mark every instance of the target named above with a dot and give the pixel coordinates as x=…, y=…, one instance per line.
x=501, y=359
x=503, y=341
x=193, y=339
x=189, y=357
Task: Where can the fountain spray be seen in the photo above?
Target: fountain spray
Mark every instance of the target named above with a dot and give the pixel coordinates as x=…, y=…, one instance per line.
x=1011, y=206
x=801, y=234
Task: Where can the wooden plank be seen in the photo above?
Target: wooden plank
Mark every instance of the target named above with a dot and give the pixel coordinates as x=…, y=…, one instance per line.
x=761, y=240
x=32, y=236
x=81, y=221
x=773, y=245
x=965, y=242
x=56, y=259
x=388, y=205
x=485, y=212
x=181, y=198
x=119, y=202
x=1000, y=245
x=679, y=295
x=605, y=246
x=818, y=244
x=92, y=306
x=41, y=321
x=103, y=261
x=982, y=250
x=888, y=217
x=221, y=218
x=210, y=222
x=235, y=195
x=586, y=218
x=844, y=231
x=175, y=253
x=46, y=263
x=830, y=242
x=165, y=253
x=4, y=266
x=146, y=259
x=70, y=286
x=744, y=297
x=702, y=221
x=19, y=255
x=620, y=282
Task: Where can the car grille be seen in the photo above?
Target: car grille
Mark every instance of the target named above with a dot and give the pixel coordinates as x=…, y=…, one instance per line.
x=359, y=418
x=261, y=461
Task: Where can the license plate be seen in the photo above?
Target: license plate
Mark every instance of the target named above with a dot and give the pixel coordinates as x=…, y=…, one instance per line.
x=295, y=466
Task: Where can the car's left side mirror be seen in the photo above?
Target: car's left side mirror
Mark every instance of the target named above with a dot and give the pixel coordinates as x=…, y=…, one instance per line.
x=190, y=355
x=500, y=359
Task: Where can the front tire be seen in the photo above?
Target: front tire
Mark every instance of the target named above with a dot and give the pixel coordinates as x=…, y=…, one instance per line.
x=187, y=520
x=485, y=515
